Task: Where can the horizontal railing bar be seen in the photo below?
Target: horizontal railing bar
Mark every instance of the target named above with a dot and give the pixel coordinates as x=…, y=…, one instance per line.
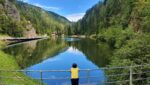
x=141, y=72
x=45, y=70
x=124, y=67
x=88, y=70
x=68, y=78
x=34, y=70
x=139, y=79
x=117, y=82
x=83, y=77
x=105, y=68
x=80, y=77
x=117, y=75
x=47, y=78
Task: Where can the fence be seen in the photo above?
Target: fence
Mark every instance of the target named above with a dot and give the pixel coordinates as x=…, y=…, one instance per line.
x=127, y=75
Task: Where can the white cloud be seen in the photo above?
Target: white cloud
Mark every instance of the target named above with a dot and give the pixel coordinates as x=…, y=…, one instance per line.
x=46, y=7
x=73, y=50
x=75, y=17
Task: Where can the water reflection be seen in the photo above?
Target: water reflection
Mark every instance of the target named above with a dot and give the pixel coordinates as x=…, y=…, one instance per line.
x=98, y=53
x=59, y=54
x=63, y=61
x=30, y=53
x=71, y=39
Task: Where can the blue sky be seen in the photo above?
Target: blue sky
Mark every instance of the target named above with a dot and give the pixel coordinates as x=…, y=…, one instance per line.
x=71, y=9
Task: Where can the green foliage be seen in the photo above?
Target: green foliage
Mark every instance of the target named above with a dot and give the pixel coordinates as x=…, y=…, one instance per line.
x=116, y=37
x=43, y=21
x=30, y=17
x=105, y=15
x=135, y=52
x=2, y=44
x=8, y=63
x=9, y=26
x=34, y=52
x=2, y=1
x=68, y=31
x=120, y=13
x=99, y=53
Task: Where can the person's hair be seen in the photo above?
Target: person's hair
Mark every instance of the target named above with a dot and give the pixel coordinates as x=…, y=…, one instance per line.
x=74, y=65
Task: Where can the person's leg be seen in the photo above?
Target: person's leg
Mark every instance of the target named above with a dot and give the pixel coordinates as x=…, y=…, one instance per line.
x=73, y=82
x=77, y=81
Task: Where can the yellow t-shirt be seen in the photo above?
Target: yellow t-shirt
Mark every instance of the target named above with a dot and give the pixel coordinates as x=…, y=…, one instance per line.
x=74, y=73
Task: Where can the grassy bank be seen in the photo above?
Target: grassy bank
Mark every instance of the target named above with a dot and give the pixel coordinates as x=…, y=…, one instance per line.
x=8, y=62
x=4, y=36
x=2, y=44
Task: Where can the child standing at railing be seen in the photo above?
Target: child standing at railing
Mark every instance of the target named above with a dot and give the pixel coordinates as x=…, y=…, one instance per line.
x=74, y=74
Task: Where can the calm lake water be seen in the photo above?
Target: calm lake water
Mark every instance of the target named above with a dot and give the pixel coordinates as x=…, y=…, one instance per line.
x=60, y=54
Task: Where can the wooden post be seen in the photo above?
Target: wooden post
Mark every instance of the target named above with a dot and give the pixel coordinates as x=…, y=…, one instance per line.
x=131, y=77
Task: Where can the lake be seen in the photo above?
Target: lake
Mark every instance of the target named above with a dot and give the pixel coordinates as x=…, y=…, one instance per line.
x=60, y=54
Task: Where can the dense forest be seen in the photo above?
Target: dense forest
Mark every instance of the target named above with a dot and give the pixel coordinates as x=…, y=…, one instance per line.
x=125, y=26
x=18, y=18
x=45, y=22
x=115, y=14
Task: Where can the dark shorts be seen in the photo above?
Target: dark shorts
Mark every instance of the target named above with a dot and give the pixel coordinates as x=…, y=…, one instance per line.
x=75, y=81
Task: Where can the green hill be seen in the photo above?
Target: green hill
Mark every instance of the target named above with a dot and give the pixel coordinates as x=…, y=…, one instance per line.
x=20, y=19
x=59, y=18
x=114, y=13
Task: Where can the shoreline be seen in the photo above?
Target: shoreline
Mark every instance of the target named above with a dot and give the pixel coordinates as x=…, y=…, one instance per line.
x=83, y=37
x=78, y=36
x=13, y=39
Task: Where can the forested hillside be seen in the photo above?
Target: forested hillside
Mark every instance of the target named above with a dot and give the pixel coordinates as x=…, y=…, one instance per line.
x=20, y=19
x=115, y=13
x=45, y=22
x=125, y=26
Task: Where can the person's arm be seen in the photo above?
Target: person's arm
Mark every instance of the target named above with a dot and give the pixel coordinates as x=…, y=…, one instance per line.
x=70, y=70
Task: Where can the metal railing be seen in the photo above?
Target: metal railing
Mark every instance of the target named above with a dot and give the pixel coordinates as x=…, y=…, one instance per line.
x=41, y=72
x=127, y=75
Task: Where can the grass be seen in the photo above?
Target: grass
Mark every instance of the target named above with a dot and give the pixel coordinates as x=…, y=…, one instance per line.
x=3, y=36
x=7, y=62
x=2, y=44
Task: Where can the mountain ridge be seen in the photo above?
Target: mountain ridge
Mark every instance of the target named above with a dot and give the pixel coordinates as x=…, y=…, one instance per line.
x=24, y=17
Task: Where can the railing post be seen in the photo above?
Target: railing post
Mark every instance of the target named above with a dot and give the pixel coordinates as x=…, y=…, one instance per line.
x=41, y=78
x=88, y=76
x=131, y=76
